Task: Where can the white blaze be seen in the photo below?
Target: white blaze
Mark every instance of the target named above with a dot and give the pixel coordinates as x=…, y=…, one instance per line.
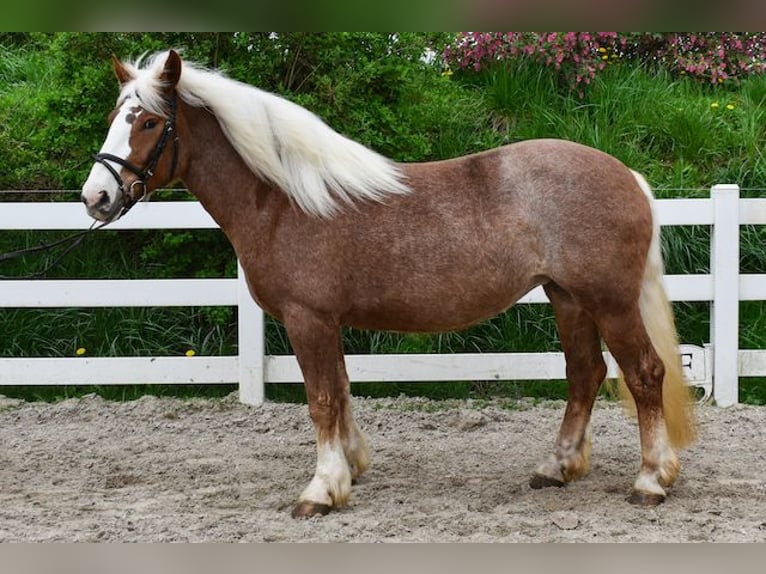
x=117, y=143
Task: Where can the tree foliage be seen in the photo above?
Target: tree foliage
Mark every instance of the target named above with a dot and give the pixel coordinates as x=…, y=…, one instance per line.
x=367, y=85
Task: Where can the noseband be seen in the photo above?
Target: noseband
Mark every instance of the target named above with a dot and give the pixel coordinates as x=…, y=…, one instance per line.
x=129, y=197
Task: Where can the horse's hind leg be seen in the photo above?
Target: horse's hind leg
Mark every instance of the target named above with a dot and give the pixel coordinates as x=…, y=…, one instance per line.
x=626, y=337
x=586, y=371
x=341, y=449
x=354, y=442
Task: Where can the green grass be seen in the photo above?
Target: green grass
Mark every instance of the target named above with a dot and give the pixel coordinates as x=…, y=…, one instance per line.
x=678, y=132
x=139, y=331
x=751, y=391
x=26, y=77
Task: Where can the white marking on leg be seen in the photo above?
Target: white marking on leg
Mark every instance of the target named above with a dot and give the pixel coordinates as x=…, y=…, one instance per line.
x=551, y=468
x=331, y=484
x=647, y=482
x=568, y=462
x=664, y=461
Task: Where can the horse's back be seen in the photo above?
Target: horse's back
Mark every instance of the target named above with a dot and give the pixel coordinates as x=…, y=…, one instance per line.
x=567, y=183
x=540, y=174
x=542, y=183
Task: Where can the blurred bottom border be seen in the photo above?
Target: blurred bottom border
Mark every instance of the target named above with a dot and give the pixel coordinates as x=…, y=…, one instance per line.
x=350, y=558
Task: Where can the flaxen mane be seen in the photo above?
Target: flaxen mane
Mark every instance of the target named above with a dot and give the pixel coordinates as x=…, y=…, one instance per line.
x=280, y=141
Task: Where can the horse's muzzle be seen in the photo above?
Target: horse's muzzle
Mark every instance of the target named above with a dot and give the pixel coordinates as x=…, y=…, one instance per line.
x=101, y=207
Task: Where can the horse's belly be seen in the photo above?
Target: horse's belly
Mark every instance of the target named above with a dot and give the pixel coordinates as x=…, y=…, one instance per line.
x=435, y=310
x=448, y=280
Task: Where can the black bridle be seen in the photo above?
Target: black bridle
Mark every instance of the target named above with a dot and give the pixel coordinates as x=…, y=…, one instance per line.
x=129, y=197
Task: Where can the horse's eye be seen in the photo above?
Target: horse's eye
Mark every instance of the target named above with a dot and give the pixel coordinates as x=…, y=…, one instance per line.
x=150, y=124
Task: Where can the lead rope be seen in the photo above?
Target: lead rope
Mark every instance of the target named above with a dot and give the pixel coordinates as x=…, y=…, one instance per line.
x=74, y=240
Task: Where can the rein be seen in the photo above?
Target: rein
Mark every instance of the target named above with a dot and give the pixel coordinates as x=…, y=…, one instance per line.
x=147, y=171
x=74, y=240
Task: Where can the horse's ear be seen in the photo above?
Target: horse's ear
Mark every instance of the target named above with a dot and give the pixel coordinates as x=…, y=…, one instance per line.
x=122, y=73
x=172, y=70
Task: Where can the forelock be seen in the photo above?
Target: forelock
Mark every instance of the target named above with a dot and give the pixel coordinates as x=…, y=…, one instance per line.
x=146, y=85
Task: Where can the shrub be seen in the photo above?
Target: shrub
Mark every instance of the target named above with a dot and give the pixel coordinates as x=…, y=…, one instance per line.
x=578, y=56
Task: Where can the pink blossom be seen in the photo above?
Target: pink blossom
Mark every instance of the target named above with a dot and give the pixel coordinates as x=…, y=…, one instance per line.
x=710, y=56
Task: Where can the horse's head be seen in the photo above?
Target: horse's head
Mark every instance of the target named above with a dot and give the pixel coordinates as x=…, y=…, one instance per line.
x=140, y=152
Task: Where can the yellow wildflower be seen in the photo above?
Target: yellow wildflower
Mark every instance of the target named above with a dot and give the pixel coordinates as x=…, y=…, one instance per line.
x=191, y=353
x=714, y=105
x=729, y=106
x=80, y=351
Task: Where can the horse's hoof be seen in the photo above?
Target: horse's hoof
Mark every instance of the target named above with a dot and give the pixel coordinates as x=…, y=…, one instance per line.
x=645, y=498
x=307, y=509
x=540, y=481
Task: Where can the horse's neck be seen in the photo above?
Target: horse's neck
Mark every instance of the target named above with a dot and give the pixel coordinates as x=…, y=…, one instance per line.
x=219, y=178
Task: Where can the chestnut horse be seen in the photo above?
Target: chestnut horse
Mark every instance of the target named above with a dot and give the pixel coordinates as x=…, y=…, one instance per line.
x=330, y=234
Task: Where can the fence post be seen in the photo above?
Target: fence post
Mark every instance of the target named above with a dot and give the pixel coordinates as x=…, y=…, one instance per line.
x=724, y=316
x=250, y=343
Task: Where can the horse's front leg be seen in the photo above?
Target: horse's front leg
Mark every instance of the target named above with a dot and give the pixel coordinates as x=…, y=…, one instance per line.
x=341, y=448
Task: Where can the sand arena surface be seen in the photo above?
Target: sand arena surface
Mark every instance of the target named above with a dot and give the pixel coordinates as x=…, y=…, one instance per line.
x=213, y=470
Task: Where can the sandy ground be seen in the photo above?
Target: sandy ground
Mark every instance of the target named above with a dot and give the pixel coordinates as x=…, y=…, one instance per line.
x=160, y=470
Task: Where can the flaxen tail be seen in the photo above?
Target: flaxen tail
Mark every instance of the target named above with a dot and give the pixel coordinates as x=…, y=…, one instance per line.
x=657, y=313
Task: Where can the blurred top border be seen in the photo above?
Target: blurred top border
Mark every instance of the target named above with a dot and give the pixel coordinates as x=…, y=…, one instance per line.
x=388, y=15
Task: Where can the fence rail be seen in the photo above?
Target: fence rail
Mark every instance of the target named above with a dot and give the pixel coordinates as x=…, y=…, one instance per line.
x=715, y=368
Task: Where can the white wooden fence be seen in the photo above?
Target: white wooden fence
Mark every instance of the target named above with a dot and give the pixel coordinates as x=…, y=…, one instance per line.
x=716, y=368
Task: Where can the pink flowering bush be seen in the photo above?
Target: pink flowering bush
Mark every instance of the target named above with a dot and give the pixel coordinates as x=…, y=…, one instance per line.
x=714, y=56
x=578, y=56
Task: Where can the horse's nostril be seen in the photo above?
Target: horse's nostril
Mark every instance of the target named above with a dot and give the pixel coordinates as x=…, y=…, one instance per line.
x=103, y=198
